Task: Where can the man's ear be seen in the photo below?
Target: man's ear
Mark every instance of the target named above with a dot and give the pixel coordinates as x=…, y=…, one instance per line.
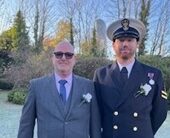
x=113, y=44
x=137, y=47
x=76, y=58
x=138, y=44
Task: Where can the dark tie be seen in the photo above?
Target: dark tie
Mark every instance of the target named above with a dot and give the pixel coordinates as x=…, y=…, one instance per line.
x=63, y=90
x=124, y=76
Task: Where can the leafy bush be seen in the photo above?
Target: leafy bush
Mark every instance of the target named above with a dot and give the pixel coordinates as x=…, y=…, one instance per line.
x=35, y=66
x=86, y=66
x=10, y=96
x=5, y=60
x=5, y=85
x=17, y=96
x=38, y=65
x=162, y=63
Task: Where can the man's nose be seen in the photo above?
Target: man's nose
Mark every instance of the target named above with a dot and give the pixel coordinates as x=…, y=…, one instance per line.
x=64, y=56
x=124, y=44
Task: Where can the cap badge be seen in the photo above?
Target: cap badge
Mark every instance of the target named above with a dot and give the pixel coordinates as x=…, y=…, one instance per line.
x=125, y=24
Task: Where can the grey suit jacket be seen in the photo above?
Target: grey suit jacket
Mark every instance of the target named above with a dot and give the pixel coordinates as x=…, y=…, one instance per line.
x=54, y=119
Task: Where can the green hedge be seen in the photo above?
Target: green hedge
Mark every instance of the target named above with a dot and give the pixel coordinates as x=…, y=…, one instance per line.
x=162, y=63
x=86, y=66
x=17, y=96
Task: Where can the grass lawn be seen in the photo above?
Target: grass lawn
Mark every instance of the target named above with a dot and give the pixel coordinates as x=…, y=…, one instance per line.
x=9, y=117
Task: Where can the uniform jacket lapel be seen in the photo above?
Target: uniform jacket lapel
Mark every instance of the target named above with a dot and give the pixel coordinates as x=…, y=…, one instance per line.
x=112, y=86
x=115, y=74
x=133, y=83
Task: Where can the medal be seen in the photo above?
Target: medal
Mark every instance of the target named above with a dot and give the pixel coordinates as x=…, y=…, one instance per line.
x=151, y=82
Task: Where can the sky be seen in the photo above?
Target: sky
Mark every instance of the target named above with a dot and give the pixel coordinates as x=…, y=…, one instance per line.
x=6, y=13
x=8, y=9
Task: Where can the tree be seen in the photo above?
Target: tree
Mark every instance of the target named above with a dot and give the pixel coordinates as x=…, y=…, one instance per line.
x=62, y=32
x=145, y=7
x=6, y=40
x=161, y=30
x=68, y=9
x=94, y=47
x=21, y=40
x=71, y=31
x=154, y=15
x=43, y=16
x=6, y=47
x=16, y=37
x=97, y=46
x=86, y=48
x=94, y=50
x=123, y=8
x=5, y=60
x=36, y=26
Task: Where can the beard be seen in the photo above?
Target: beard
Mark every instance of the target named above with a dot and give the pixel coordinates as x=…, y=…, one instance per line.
x=125, y=57
x=125, y=53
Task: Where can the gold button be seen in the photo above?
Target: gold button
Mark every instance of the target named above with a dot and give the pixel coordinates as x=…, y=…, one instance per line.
x=115, y=127
x=116, y=113
x=135, y=128
x=135, y=114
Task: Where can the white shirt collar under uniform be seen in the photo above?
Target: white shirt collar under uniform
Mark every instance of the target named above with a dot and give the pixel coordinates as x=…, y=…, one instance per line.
x=128, y=67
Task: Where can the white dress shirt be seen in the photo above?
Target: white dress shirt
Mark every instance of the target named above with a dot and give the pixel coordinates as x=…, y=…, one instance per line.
x=128, y=67
x=68, y=85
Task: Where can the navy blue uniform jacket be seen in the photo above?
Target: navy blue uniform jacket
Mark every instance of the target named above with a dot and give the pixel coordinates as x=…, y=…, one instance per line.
x=123, y=114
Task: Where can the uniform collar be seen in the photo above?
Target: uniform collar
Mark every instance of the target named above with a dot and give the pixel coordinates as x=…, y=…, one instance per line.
x=128, y=67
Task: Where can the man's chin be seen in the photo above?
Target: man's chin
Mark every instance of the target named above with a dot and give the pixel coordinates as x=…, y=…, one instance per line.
x=64, y=72
x=125, y=57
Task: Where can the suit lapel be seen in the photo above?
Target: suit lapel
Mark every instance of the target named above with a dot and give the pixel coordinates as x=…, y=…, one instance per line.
x=55, y=94
x=134, y=81
x=76, y=87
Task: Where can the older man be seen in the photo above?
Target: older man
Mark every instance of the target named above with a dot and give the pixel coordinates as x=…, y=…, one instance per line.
x=63, y=103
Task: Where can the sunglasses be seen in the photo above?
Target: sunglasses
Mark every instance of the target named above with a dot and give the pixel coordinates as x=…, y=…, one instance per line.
x=59, y=55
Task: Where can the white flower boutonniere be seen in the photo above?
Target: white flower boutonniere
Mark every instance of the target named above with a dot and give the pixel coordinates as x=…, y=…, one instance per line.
x=86, y=98
x=144, y=90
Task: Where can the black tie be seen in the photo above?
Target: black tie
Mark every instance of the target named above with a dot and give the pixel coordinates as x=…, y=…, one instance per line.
x=124, y=76
x=63, y=90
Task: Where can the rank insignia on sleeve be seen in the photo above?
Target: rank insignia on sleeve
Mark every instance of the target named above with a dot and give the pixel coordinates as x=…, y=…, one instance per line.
x=164, y=95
